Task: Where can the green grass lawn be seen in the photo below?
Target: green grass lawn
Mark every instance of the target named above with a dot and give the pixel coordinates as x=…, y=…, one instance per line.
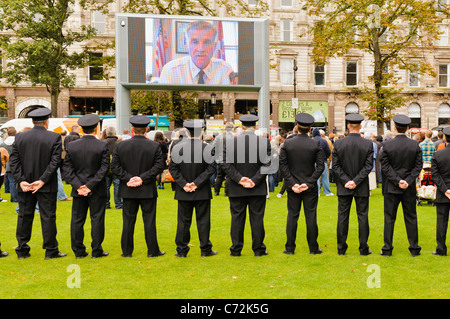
x=276, y=276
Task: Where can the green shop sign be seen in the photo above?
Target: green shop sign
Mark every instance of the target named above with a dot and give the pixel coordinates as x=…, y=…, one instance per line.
x=318, y=109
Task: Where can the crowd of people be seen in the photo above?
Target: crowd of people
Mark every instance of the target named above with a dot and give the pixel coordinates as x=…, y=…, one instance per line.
x=197, y=165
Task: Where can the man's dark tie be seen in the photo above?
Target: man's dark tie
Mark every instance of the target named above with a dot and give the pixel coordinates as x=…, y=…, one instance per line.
x=201, y=80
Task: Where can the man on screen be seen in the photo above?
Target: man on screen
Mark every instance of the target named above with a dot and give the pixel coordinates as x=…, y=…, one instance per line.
x=200, y=67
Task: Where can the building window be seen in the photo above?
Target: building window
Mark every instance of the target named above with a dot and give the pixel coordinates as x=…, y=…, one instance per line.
x=442, y=5
x=444, y=114
x=286, y=30
x=319, y=75
x=86, y=105
x=287, y=71
x=351, y=108
x=414, y=79
x=351, y=78
x=443, y=36
x=98, y=21
x=414, y=115
x=443, y=75
x=286, y=3
x=95, y=72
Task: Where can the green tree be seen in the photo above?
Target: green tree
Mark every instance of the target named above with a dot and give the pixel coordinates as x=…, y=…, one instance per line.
x=195, y=7
x=36, y=40
x=397, y=33
x=177, y=105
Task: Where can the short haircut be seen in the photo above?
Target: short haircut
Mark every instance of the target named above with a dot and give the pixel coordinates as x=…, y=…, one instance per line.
x=229, y=127
x=303, y=129
x=89, y=130
x=429, y=134
x=110, y=131
x=200, y=25
x=354, y=127
x=139, y=130
x=401, y=129
x=74, y=127
x=39, y=123
x=195, y=132
x=447, y=138
x=11, y=131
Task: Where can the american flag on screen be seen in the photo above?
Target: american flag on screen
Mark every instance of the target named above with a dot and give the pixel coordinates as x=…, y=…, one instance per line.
x=161, y=47
x=220, y=48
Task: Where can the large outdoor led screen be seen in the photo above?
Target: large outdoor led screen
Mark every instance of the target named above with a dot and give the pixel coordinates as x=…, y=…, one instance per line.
x=189, y=52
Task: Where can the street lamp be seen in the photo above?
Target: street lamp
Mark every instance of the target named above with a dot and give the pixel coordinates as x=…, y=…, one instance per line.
x=207, y=107
x=295, y=68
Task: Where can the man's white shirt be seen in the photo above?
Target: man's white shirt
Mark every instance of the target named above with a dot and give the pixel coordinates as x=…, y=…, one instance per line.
x=184, y=71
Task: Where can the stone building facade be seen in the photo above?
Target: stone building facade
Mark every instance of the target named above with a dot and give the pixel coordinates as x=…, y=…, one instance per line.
x=327, y=92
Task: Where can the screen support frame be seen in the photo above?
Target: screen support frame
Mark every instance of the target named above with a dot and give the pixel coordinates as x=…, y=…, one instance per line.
x=261, y=70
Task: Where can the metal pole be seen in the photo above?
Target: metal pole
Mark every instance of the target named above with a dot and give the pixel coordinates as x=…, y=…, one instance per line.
x=295, y=68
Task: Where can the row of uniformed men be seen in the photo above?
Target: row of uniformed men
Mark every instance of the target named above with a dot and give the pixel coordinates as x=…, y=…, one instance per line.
x=137, y=162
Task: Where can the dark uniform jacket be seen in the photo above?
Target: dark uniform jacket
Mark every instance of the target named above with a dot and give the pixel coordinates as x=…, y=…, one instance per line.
x=36, y=155
x=198, y=169
x=352, y=161
x=86, y=163
x=401, y=159
x=440, y=172
x=301, y=161
x=71, y=137
x=137, y=156
x=245, y=156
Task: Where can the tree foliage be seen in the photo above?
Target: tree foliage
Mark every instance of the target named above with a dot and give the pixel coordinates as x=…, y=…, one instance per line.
x=36, y=42
x=399, y=34
x=177, y=105
x=196, y=7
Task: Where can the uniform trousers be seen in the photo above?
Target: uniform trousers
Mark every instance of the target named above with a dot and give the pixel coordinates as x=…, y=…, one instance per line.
x=442, y=211
x=47, y=209
x=80, y=206
x=203, y=219
x=129, y=215
x=391, y=202
x=362, y=210
x=238, y=207
x=221, y=176
x=294, y=204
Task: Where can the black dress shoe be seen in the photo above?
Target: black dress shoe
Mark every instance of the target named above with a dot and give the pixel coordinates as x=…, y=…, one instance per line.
x=385, y=254
x=179, y=255
x=104, y=254
x=23, y=256
x=3, y=254
x=235, y=254
x=415, y=254
x=209, y=253
x=85, y=254
x=58, y=255
x=260, y=254
x=126, y=255
x=437, y=254
x=288, y=252
x=369, y=252
x=317, y=252
x=159, y=253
